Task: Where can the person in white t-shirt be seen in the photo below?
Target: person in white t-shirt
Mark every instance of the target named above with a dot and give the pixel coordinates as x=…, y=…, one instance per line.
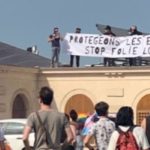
x=124, y=121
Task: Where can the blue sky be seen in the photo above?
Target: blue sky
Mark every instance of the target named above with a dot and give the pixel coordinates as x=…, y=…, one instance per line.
x=25, y=23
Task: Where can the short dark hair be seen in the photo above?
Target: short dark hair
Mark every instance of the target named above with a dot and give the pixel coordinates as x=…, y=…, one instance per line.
x=46, y=95
x=101, y=108
x=108, y=27
x=73, y=115
x=67, y=116
x=124, y=116
x=78, y=29
x=56, y=28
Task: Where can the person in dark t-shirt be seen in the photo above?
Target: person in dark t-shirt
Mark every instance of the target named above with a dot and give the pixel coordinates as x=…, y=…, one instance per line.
x=78, y=30
x=133, y=61
x=55, y=42
x=109, y=61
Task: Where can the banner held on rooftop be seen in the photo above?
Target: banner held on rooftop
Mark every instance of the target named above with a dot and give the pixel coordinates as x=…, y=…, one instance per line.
x=95, y=45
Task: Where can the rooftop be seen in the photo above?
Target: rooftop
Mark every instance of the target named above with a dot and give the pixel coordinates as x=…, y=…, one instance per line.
x=13, y=56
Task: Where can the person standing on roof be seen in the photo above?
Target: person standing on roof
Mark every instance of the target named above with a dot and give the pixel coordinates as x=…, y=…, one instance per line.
x=134, y=31
x=78, y=30
x=109, y=61
x=55, y=38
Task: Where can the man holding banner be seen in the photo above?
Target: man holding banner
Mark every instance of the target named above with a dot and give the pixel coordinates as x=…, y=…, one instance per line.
x=94, y=45
x=78, y=30
x=109, y=61
x=133, y=31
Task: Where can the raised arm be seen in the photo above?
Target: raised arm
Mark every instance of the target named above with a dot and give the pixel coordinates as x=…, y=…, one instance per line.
x=143, y=124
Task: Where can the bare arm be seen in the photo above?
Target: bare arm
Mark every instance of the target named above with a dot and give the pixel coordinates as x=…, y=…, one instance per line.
x=61, y=38
x=143, y=124
x=26, y=133
x=86, y=141
x=50, y=38
x=58, y=36
x=55, y=36
x=73, y=129
x=69, y=134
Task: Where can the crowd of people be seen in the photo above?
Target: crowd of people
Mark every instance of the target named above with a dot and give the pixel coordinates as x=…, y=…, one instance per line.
x=64, y=132
x=60, y=131
x=56, y=37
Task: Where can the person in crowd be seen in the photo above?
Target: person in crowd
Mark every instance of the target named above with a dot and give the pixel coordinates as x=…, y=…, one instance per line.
x=55, y=38
x=102, y=129
x=53, y=121
x=124, y=123
x=90, y=120
x=64, y=135
x=2, y=139
x=4, y=145
x=78, y=30
x=133, y=61
x=75, y=127
x=109, y=61
x=73, y=124
x=146, y=125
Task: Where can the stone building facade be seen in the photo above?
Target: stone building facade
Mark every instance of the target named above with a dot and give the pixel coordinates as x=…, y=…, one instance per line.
x=78, y=88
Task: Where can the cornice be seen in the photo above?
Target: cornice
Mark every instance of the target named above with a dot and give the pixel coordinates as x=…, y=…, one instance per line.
x=80, y=72
x=16, y=69
x=97, y=71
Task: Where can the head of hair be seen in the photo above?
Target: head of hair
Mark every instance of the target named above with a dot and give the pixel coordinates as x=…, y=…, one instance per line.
x=56, y=29
x=78, y=30
x=133, y=29
x=46, y=95
x=124, y=116
x=95, y=118
x=108, y=28
x=73, y=115
x=102, y=108
x=67, y=116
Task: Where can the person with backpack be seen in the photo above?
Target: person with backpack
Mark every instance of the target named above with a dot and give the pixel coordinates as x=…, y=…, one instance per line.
x=48, y=124
x=127, y=136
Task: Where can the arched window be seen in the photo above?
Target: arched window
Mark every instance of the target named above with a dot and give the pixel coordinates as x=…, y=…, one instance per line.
x=19, y=106
x=143, y=108
x=81, y=103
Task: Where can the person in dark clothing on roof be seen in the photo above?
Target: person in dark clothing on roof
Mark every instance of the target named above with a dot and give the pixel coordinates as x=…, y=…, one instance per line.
x=133, y=61
x=78, y=30
x=109, y=61
x=55, y=41
x=134, y=31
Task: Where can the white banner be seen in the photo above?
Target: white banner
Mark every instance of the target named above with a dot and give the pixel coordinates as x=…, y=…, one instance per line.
x=106, y=46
